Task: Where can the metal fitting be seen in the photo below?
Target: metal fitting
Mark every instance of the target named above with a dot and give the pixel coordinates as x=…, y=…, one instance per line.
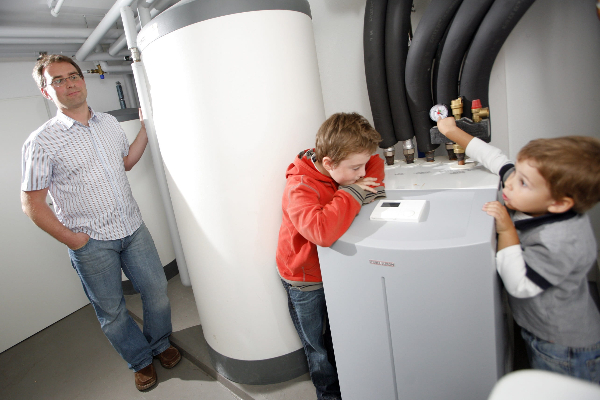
x=389, y=154
x=96, y=71
x=457, y=108
x=480, y=113
x=408, y=148
x=460, y=153
x=135, y=54
x=429, y=156
x=450, y=150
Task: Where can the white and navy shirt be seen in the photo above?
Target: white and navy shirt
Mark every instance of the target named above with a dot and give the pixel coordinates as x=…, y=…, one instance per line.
x=83, y=169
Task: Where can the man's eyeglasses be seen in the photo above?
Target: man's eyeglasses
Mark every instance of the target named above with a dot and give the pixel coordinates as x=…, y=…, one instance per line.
x=60, y=82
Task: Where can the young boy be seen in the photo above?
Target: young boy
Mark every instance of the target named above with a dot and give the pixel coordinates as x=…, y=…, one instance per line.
x=325, y=189
x=547, y=249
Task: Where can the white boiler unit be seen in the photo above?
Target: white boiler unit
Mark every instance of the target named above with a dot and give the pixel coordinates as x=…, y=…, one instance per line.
x=412, y=291
x=236, y=95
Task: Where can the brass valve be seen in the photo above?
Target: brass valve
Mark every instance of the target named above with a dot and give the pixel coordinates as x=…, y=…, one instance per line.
x=96, y=71
x=457, y=108
x=479, y=112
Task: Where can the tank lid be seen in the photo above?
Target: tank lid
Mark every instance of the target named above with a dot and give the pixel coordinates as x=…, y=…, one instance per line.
x=188, y=12
x=125, y=114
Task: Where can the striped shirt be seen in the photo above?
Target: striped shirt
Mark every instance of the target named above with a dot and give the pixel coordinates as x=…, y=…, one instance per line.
x=83, y=169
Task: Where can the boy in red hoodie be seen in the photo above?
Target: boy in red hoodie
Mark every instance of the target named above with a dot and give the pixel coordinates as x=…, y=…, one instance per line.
x=326, y=188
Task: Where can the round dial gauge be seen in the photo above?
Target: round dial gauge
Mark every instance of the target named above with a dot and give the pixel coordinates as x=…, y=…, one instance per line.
x=437, y=112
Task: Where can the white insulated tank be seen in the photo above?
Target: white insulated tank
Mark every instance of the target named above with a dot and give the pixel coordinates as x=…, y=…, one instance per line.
x=144, y=187
x=236, y=95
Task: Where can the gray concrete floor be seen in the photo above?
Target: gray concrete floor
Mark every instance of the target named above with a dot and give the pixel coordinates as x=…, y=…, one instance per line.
x=72, y=359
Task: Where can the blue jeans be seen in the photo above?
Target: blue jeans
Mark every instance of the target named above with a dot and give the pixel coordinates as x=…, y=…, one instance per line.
x=582, y=362
x=99, y=265
x=309, y=315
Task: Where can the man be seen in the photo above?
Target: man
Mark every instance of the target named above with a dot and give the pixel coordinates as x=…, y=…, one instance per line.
x=80, y=158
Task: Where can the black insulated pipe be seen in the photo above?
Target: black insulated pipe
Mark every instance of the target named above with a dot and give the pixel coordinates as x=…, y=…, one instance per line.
x=497, y=24
x=461, y=32
x=397, y=34
x=374, y=49
x=421, y=53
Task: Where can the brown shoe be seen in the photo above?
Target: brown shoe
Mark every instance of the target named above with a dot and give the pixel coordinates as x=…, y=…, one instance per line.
x=170, y=357
x=145, y=378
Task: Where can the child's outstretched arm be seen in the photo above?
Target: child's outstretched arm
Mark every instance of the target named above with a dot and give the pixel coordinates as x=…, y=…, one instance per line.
x=491, y=157
x=448, y=128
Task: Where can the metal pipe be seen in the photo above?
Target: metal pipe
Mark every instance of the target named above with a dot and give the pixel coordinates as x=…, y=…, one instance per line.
x=103, y=27
x=143, y=93
x=130, y=91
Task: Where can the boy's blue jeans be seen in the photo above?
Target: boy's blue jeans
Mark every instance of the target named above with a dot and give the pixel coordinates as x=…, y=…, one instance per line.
x=99, y=265
x=309, y=314
x=581, y=362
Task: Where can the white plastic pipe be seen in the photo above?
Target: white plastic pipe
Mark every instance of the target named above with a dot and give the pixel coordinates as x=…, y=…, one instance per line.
x=104, y=56
x=144, y=16
x=121, y=42
x=57, y=7
x=139, y=75
x=126, y=69
x=40, y=40
x=35, y=32
x=103, y=27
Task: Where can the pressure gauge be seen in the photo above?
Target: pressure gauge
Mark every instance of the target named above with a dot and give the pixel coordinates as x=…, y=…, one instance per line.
x=437, y=112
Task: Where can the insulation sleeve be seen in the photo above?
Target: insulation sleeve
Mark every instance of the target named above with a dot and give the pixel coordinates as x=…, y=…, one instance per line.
x=497, y=24
x=420, y=57
x=461, y=32
x=374, y=54
x=435, y=64
x=397, y=33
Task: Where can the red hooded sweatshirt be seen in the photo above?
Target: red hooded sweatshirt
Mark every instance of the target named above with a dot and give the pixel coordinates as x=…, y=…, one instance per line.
x=317, y=211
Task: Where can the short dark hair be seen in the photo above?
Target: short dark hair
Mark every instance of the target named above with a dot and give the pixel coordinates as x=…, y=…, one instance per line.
x=570, y=165
x=343, y=134
x=44, y=61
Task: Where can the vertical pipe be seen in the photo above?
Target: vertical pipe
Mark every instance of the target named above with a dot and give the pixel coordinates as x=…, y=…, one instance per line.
x=141, y=83
x=130, y=91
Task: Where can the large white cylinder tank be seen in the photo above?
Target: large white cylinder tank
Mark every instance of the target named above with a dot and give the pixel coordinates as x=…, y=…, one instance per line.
x=144, y=187
x=236, y=95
